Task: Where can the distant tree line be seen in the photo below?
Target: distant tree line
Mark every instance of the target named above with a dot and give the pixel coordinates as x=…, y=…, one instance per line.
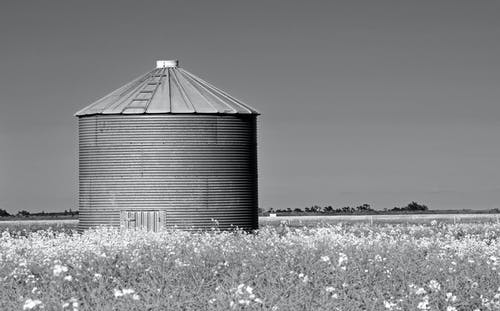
x=361, y=209
x=23, y=213
x=316, y=209
x=412, y=207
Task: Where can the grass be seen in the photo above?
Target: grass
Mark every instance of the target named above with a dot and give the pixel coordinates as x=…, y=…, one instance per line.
x=401, y=219
x=24, y=228
x=355, y=266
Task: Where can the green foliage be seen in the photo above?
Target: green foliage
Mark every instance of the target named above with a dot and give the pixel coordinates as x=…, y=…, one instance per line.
x=355, y=267
x=23, y=213
x=316, y=209
x=4, y=213
x=412, y=207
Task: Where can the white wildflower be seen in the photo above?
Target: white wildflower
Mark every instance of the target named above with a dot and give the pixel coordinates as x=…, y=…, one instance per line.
x=179, y=263
x=249, y=290
x=239, y=289
x=451, y=297
x=123, y=292
x=434, y=285
x=127, y=291
x=389, y=305
x=245, y=302
x=423, y=305
x=330, y=289
x=58, y=269
x=342, y=259
x=325, y=258
x=30, y=304
x=117, y=293
x=68, y=278
x=74, y=303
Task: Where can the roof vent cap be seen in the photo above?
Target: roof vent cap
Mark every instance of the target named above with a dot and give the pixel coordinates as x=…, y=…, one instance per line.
x=167, y=63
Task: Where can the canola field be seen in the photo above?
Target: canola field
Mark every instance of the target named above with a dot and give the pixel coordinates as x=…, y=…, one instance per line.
x=344, y=266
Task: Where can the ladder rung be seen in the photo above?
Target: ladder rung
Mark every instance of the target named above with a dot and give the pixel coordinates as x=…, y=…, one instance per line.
x=154, y=83
x=141, y=99
x=146, y=91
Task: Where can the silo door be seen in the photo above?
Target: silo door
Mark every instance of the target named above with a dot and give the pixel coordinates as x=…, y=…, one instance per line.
x=142, y=220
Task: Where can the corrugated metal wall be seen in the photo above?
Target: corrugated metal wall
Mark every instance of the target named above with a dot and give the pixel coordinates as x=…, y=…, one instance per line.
x=194, y=167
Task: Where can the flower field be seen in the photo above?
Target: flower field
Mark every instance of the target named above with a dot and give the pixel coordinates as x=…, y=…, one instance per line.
x=357, y=266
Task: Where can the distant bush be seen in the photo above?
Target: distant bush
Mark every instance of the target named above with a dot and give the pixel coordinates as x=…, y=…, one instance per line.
x=316, y=209
x=412, y=207
x=361, y=209
x=4, y=213
x=23, y=213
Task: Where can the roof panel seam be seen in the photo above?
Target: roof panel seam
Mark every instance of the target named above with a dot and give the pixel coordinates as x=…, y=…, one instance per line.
x=202, y=96
x=187, y=101
x=234, y=100
x=131, y=91
x=214, y=95
x=134, y=93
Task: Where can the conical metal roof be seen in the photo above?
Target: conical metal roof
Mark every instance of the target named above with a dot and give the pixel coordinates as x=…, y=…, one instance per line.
x=167, y=89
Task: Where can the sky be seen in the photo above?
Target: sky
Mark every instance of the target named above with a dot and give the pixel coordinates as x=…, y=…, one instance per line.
x=381, y=102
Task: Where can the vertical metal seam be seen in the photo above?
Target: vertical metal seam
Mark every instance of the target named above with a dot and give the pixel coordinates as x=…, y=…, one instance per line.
x=225, y=173
x=213, y=94
x=187, y=100
x=132, y=91
x=125, y=89
x=139, y=82
x=169, y=89
x=199, y=93
x=205, y=84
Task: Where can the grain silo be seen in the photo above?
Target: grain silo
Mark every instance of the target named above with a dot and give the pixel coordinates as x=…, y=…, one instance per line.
x=168, y=149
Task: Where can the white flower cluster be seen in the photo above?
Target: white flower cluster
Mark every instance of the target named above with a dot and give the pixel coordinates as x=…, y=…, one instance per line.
x=125, y=292
x=336, y=261
x=244, y=296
